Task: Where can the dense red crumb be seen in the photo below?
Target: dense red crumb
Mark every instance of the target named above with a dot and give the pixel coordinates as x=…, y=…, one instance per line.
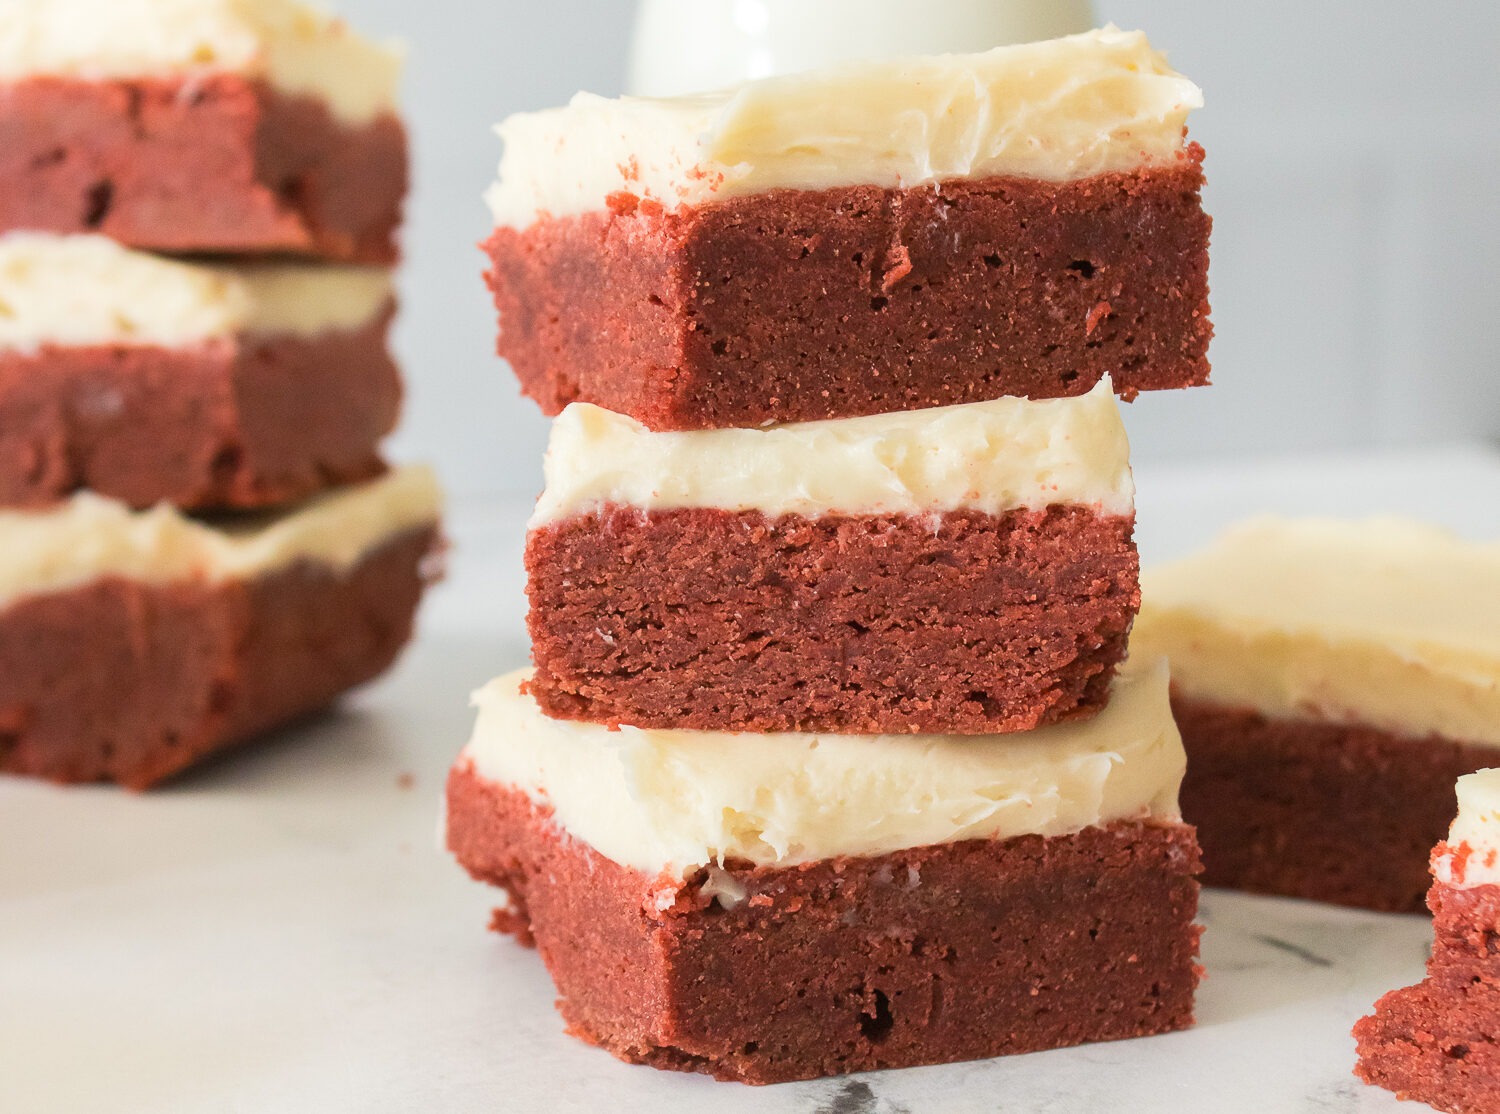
x=938, y=954
x=226, y=425
x=1439, y=1042
x=800, y=305
x=1328, y=812
x=962, y=623
x=214, y=164
x=123, y=681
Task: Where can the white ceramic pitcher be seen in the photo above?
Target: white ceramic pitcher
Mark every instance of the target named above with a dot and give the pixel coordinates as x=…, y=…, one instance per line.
x=686, y=46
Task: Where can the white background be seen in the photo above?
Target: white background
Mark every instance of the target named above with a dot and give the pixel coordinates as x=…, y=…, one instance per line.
x=1354, y=151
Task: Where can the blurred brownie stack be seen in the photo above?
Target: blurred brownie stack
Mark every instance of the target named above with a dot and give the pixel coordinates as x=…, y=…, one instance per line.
x=199, y=540
x=824, y=763
x=1332, y=679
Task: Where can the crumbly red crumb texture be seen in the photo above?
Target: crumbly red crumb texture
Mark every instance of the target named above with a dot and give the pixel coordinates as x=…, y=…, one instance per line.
x=123, y=681
x=956, y=952
x=1329, y=812
x=217, y=164
x=801, y=305
x=962, y=623
x=237, y=424
x=1439, y=1042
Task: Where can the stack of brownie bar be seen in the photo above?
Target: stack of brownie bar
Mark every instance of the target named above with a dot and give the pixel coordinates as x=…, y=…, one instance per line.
x=824, y=763
x=198, y=205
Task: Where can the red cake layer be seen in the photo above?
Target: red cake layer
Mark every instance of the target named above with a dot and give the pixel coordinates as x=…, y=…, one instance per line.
x=962, y=623
x=1466, y=931
x=123, y=681
x=1439, y=1042
x=956, y=952
x=1329, y=812
x=215, y=164
x=800, y=305
x=243, y=424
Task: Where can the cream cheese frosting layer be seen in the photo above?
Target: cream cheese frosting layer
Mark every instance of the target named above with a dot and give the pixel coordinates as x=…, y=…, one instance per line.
x=1058, y=110
x=1471, y=856
x=296, y=48
x=992, y=457
x=88, y=290
x=88, y=537
x=677, y=800
x=1381, y=622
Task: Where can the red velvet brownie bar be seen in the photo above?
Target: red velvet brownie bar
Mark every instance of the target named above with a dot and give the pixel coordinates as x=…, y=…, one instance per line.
x=215, y=126
x=1331, y=680
x=133, y=644
x=1439, y=1042
x=879, y=237
x=206, y=386
x=812, y=905
x=964, y=570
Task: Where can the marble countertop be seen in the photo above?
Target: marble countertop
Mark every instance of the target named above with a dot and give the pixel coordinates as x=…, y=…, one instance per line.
x=279, y=931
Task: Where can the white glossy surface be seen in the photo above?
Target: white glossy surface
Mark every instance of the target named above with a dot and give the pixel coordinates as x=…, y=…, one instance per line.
x=687, y=46
x=279, y=933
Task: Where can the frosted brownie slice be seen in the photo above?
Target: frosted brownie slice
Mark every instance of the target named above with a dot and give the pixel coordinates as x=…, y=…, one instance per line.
x=1439, y=1042
x=882, y=236
x=204, y=385
x=1331, y=680
x=807, y=905
x=133, y=644
x=200, y=126
x=965, y=569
